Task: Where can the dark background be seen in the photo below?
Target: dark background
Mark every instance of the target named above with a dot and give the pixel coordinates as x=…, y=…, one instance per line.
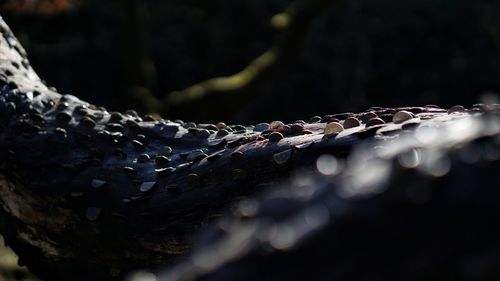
x=358, y=54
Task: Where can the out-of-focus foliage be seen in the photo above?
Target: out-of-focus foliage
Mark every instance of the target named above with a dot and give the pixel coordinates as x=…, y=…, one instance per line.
x=41, y=7
x=9, y=270
x=359, y=54
x=116, y=52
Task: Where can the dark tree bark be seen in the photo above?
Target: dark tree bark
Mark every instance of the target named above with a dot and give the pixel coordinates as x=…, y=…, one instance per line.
x=414, y=209
x=89, y=194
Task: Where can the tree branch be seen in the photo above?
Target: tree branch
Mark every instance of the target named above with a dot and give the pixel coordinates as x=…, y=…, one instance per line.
x=258, y=78
x=88, y=194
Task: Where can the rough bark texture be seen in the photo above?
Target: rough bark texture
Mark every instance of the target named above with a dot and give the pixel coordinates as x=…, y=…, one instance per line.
x=89, y=194
x=423, y=207
x=89, y=191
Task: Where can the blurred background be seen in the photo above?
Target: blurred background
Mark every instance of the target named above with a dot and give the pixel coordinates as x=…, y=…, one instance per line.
x=353, y=54
x=300, y=58
x=9, y=269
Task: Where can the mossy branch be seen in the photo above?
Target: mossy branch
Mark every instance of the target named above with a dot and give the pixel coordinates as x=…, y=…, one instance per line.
x=260, y=74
